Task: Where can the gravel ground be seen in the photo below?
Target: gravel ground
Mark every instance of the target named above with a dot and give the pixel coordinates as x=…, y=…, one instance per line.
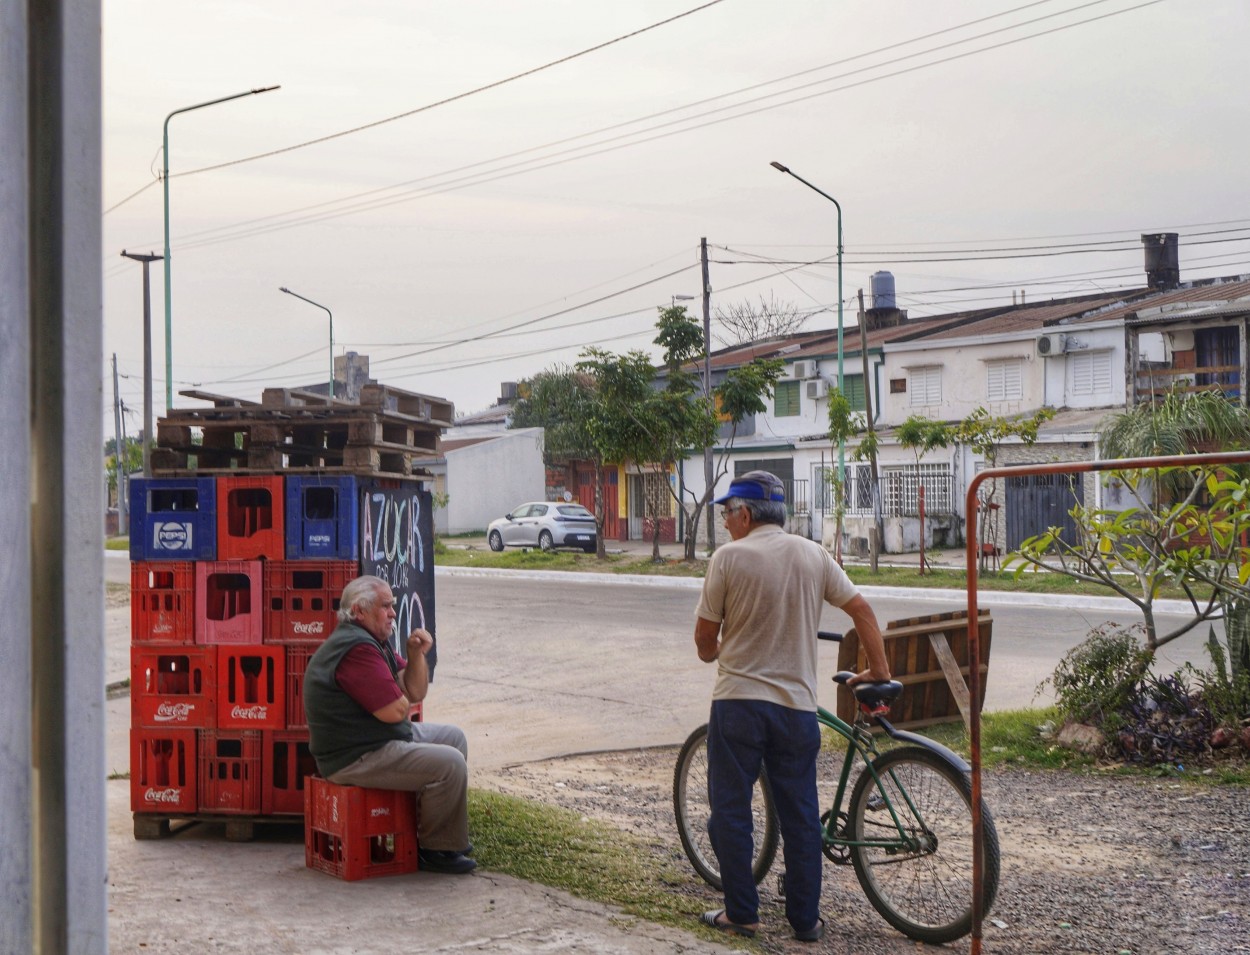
x=1091, y=863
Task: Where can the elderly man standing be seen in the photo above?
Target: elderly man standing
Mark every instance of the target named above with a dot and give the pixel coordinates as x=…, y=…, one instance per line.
x=757, y=618
x=357, y=697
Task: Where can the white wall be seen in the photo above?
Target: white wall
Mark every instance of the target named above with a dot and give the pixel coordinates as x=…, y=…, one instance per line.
x=486, y=480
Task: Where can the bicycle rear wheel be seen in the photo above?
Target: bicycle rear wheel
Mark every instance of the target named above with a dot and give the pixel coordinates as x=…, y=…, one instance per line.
x=923, y=889
x=692, y=809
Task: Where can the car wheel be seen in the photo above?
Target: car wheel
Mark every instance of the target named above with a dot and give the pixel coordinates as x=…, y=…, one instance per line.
x=545, y=541
x=496, y=542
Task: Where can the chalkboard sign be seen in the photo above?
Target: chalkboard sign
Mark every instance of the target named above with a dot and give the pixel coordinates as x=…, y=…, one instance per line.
x=397, y=544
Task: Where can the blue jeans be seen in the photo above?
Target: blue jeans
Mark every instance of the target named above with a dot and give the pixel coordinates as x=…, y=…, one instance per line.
x=742, y=736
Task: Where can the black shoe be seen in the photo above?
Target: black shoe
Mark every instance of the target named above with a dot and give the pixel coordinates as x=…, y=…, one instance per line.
x=445, y=861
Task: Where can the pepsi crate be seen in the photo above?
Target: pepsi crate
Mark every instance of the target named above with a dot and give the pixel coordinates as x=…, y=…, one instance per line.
x=322, y=515
x=297, y=657
x=172, y=687
x=162, y=771
x=173, y=519
x=228, y=605
x=162, y=602
x=251, y=687
x=229, y=771
x=288, y=762
x=352, y=833
x=302, y=598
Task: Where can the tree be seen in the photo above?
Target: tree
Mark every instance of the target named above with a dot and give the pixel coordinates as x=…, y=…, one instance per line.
x=744, y=322
x=563, y=401
x=132, y=460
x=920, y=435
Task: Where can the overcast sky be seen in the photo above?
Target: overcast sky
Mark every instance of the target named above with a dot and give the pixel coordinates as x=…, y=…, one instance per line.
x=490, y=234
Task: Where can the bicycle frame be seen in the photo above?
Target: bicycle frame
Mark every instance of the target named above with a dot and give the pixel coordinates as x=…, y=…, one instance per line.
x=860, y=742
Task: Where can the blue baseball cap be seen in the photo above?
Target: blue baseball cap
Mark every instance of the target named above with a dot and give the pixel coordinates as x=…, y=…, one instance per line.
x=755, y=486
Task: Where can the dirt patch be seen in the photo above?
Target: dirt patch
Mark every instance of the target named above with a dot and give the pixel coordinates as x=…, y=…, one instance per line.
x=1091, y=863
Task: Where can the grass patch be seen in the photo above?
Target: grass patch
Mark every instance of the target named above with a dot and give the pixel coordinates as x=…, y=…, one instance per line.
x=117, y=543
x=526, y=559
x=584, y=857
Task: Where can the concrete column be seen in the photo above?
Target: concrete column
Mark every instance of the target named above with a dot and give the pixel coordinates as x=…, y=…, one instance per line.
x=52, y=787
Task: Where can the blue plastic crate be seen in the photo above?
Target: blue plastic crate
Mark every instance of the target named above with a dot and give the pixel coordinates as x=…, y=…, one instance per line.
x=322, y=518
x=173, y=519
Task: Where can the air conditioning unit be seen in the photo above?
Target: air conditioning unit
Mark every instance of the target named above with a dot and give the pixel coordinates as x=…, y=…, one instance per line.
x=803, y=369
x=817, y=388
x=1052, y=344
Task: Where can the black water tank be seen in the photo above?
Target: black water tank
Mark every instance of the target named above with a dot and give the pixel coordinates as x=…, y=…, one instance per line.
x=1163, y=267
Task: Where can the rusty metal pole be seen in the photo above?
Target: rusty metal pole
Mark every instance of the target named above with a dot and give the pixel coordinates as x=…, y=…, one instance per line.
x=974, y=637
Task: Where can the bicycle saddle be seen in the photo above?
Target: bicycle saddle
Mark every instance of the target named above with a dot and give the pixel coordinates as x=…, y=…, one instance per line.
x=872, y=695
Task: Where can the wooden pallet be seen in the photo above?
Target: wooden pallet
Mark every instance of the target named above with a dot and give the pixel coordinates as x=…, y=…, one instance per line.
x=294, y=430
x=148, y=825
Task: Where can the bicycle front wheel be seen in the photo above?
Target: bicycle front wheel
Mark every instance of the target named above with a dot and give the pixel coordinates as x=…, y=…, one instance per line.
x=918, y=871
x=692, y=809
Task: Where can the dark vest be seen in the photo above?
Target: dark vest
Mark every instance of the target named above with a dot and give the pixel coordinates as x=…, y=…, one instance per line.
x=341, y=730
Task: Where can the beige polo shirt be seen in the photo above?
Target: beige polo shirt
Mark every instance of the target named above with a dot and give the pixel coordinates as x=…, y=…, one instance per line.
x=767, y=590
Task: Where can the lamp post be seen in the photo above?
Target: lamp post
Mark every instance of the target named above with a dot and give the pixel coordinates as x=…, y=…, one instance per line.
x=169, y=348
x=841, y=384
x=147, y=356
x=331, y=314
x=682, y=298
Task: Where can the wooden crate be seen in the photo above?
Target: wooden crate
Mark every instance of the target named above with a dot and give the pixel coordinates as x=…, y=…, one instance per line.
x=929, y=656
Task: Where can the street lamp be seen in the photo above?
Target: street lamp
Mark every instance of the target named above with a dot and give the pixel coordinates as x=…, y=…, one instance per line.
x=841, y=384
x=169, y=348
x=147, y=357
x=331, y=314
x=682, y=298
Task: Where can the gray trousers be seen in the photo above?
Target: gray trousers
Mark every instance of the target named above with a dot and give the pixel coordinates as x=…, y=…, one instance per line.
x=434, y=768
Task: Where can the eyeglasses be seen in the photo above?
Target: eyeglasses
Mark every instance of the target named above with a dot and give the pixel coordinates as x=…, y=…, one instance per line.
x=727, y=511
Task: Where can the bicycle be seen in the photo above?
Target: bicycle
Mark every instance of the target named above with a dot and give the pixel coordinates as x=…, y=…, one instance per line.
x=907, y=830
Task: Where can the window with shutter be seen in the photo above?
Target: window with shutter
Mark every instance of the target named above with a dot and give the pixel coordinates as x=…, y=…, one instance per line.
x=1004, y=379
x=786, y=399
x=1091, y=372
x=924, y=385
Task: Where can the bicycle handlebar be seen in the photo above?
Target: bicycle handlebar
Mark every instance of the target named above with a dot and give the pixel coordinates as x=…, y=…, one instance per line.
x=828, y=635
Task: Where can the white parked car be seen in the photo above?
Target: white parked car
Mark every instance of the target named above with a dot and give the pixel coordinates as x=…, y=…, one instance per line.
x=546, y=525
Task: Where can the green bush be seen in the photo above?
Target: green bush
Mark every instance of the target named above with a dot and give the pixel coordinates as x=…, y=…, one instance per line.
x=1095, y=681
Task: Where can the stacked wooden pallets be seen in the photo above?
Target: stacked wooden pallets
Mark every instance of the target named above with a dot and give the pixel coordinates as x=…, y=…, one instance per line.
x=300, y=431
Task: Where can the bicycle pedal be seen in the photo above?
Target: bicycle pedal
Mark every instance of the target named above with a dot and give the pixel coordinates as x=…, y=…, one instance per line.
x=781, y=885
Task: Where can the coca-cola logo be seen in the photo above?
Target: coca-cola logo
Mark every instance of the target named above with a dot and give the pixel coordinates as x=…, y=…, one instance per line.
x=380, y=811
x=313, y=626
x=163, y=628
x=163, y=796
x=249, y=712
x=174, y=712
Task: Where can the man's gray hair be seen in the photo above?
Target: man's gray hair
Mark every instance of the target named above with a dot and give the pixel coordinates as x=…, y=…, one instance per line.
x=762, y=512
x=360, y=594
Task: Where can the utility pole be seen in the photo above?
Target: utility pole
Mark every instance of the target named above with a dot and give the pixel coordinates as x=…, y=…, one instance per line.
x=147, y=355
x=874, y=538
x=708, y=471
x=119, y=455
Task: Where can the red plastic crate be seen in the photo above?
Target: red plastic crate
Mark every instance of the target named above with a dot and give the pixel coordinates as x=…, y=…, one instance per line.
x=297, y=657
x=302, y=598
x=228, y=601
x=355, y=833
x=287, y=764
x=229, y=771
x=251, y=515
x=172, y=687
x=251, y=687
x=162, y=602
x=162, y=771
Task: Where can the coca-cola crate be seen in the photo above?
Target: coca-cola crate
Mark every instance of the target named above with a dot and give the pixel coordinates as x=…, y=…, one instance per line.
x=229, y=771
x=172, y=687
x=297, y=657
x=251, y=687
x=302, y=598
x=162, y=602
x=162, y=771
x=288, y=763
x=228, y=601
x=351, y=832
x=250, y=518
